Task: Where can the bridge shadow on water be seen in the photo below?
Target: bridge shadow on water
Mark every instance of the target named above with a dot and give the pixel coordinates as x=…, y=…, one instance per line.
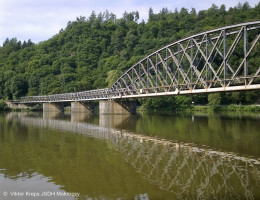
x=186, y=170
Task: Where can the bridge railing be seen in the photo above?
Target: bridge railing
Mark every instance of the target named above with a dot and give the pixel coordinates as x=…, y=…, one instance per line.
x=76, y=96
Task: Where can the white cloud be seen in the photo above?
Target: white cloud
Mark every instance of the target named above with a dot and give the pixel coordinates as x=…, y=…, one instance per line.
x=39, y=20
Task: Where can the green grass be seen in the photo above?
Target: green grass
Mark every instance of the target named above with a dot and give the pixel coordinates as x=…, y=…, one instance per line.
x=233, y=108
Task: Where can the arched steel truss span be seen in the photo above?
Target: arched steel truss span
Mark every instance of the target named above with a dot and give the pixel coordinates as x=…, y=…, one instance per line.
x=213, y=61
x=217, y=60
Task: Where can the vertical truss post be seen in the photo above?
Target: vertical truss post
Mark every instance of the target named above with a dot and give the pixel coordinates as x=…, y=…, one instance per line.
x=147, y=78
x=245, y=55
x=139, y=77
x=210, y=58
x=225, y=55
x=156, y=67
x=173, y=69
x=191, y=55
x=133, y=78
x=179, y=57
x=121, y=82
x=207, y=67
x=167, y=65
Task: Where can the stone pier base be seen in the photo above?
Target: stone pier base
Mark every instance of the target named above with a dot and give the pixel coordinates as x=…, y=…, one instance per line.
x=53, y=107
x=85, y=107
x=117, y=107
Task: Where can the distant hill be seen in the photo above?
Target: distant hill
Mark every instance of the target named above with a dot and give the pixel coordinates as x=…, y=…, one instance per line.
x=93, y=52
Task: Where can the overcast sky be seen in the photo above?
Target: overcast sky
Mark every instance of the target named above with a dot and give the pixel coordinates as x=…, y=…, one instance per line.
x=39, y=20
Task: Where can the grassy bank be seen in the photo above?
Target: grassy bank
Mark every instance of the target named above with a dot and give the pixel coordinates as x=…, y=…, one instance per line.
x=233, y=108
x=208, y=108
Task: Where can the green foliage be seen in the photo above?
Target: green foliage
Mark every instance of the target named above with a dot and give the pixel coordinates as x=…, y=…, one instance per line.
x=3, y=106
x=183, y=102
x=171, y=103
x=247, y=108
x=214, y=100
x=112, y=76
x=229, y=108
x=93, y=52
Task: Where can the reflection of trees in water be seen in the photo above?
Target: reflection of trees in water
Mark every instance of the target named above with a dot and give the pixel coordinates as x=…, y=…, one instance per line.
x=186, y=170
x=224, y=132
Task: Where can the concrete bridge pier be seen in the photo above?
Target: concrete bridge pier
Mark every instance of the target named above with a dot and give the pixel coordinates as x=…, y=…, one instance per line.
x=117, y=107
x=86, y=107
x=53, y=107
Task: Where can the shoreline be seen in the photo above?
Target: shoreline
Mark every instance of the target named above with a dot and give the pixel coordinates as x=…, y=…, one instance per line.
x=218, y=108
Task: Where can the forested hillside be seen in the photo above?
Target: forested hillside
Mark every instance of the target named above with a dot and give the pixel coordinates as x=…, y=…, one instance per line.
x=92, y=52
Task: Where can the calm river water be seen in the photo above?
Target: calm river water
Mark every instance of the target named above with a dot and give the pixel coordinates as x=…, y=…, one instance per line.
x=145, y=156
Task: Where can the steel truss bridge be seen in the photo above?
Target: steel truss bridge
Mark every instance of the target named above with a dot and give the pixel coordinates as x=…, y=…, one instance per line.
x=214, y=61
x=175, y=167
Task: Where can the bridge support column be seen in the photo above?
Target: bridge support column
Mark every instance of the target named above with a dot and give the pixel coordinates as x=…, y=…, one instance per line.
x=53, y=107
x=117, y=107
x=85, y=107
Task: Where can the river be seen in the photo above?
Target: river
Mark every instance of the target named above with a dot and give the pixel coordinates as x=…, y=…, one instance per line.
x=143, y=156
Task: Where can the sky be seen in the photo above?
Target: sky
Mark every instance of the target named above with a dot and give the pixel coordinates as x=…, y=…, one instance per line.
x=39, y=20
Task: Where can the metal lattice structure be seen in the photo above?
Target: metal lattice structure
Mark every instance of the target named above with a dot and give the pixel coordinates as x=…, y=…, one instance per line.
x=189, y=172
x=214, y=61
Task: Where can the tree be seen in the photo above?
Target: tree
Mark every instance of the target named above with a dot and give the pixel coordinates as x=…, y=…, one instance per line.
x=214, y=99
x=3, y=106
x=131, y=40
x=19, y=86
x=112, y=76
x=151, y=15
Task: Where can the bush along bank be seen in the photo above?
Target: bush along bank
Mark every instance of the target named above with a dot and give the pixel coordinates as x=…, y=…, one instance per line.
x=227, y=108
x=3, y=106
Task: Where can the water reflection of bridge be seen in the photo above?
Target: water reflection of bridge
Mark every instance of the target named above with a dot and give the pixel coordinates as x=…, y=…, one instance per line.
x=184, y=169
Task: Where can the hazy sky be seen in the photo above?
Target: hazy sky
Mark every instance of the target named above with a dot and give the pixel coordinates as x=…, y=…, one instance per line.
x=39, y=20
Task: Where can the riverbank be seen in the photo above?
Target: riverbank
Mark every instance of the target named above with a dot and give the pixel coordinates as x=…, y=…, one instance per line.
x=217, y=108
x=233, y=108
x=201, y=108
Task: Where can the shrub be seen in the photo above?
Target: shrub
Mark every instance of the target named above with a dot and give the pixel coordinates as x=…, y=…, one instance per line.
x=3, y=106
x=214, y=100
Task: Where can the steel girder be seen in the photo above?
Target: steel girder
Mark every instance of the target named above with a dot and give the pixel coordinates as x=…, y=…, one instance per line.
x=212, y=61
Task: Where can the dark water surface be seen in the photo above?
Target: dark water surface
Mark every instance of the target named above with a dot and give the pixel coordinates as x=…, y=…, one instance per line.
x=145, y=156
